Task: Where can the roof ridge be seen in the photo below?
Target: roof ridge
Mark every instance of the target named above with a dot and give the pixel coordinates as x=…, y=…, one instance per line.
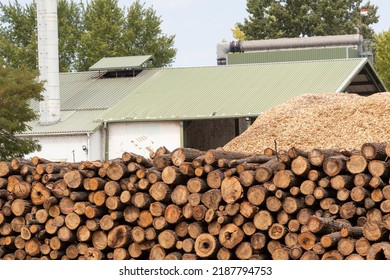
x=256, y=64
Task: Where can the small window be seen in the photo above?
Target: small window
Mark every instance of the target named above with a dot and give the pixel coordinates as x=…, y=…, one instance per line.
x=122, y=73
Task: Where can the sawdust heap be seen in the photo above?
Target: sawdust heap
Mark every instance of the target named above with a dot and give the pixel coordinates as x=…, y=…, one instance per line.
x=334, y=120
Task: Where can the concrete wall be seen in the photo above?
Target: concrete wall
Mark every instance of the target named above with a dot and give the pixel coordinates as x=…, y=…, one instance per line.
x=96, y=147
x=60, y=148
x=70, y=147
x=137, y=137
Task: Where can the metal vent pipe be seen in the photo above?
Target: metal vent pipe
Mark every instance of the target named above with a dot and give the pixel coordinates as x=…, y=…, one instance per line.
x=47, y=25
x=286, y=43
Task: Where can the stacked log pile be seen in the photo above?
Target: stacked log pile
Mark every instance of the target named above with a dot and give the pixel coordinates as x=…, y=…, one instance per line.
x=191, y=204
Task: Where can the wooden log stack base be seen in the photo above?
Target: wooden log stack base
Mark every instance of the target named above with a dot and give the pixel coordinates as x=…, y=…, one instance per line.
x=190, y=204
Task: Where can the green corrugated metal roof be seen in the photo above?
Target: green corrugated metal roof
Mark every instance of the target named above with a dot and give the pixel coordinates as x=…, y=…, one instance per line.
x=84, y=96
x=86, y=91
x=72, y=122
x=120, y=63
x=99, y=93
x=230, y=91
x=291, y=55
x=192, y=93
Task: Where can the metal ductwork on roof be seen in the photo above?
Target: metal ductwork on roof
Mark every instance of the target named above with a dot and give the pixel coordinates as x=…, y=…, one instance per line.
x=286, y=43
x=48, y=63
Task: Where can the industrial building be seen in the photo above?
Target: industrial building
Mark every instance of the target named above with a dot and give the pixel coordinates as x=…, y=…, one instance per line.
x=127, y=107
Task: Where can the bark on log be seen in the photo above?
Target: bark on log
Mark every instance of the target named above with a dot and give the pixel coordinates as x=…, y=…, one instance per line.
x=362, y=180
x=334, y=165
x=341, y=181
x=374, y=151
x=153, y=175
x=212, y=156
x=265, y=171
x=120, y=236
x=181, y=155
x=292, y=205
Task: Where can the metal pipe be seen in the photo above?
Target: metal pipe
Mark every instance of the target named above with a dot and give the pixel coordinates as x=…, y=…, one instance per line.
x=88, y=147
x=105, y=139
x=287, y=43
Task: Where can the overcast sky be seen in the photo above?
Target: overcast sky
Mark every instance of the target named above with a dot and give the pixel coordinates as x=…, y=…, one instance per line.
x=200, y=24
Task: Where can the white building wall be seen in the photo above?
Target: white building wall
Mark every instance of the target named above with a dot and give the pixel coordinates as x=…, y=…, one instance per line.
x=138, y=137
x=70, y=148
x=96, y=148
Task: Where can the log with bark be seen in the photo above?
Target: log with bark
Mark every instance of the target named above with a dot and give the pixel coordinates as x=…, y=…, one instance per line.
x=191, y=204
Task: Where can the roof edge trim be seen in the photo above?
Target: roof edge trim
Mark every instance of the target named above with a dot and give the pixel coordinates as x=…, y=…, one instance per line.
x=352, y=75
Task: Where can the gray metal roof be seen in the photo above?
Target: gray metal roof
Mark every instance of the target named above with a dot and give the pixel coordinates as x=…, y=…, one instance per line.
x=121, y=63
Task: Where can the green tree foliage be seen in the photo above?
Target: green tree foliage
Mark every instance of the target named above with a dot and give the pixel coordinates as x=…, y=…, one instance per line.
x=18, y=36
x=237, y=33
x=382, y=56
x=143, y=35
x=17, y=88
x=87, y=33
x=69, y=33
x=270, y=19
x=18, y=40
x=103, y=24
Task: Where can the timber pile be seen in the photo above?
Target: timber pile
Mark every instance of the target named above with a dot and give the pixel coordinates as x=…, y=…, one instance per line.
x=190, y=204
x=319, y=121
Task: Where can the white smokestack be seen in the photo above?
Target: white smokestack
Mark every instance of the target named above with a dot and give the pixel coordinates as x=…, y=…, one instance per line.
x=48, y=61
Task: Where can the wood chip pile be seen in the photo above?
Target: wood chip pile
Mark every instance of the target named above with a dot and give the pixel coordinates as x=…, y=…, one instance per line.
x=323, y=121
x=191, y=204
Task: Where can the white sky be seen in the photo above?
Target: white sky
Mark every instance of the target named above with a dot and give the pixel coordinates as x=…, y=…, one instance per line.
x=200, y=24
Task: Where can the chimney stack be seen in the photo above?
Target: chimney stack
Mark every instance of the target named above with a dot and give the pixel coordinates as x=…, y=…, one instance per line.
x=48, y=64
